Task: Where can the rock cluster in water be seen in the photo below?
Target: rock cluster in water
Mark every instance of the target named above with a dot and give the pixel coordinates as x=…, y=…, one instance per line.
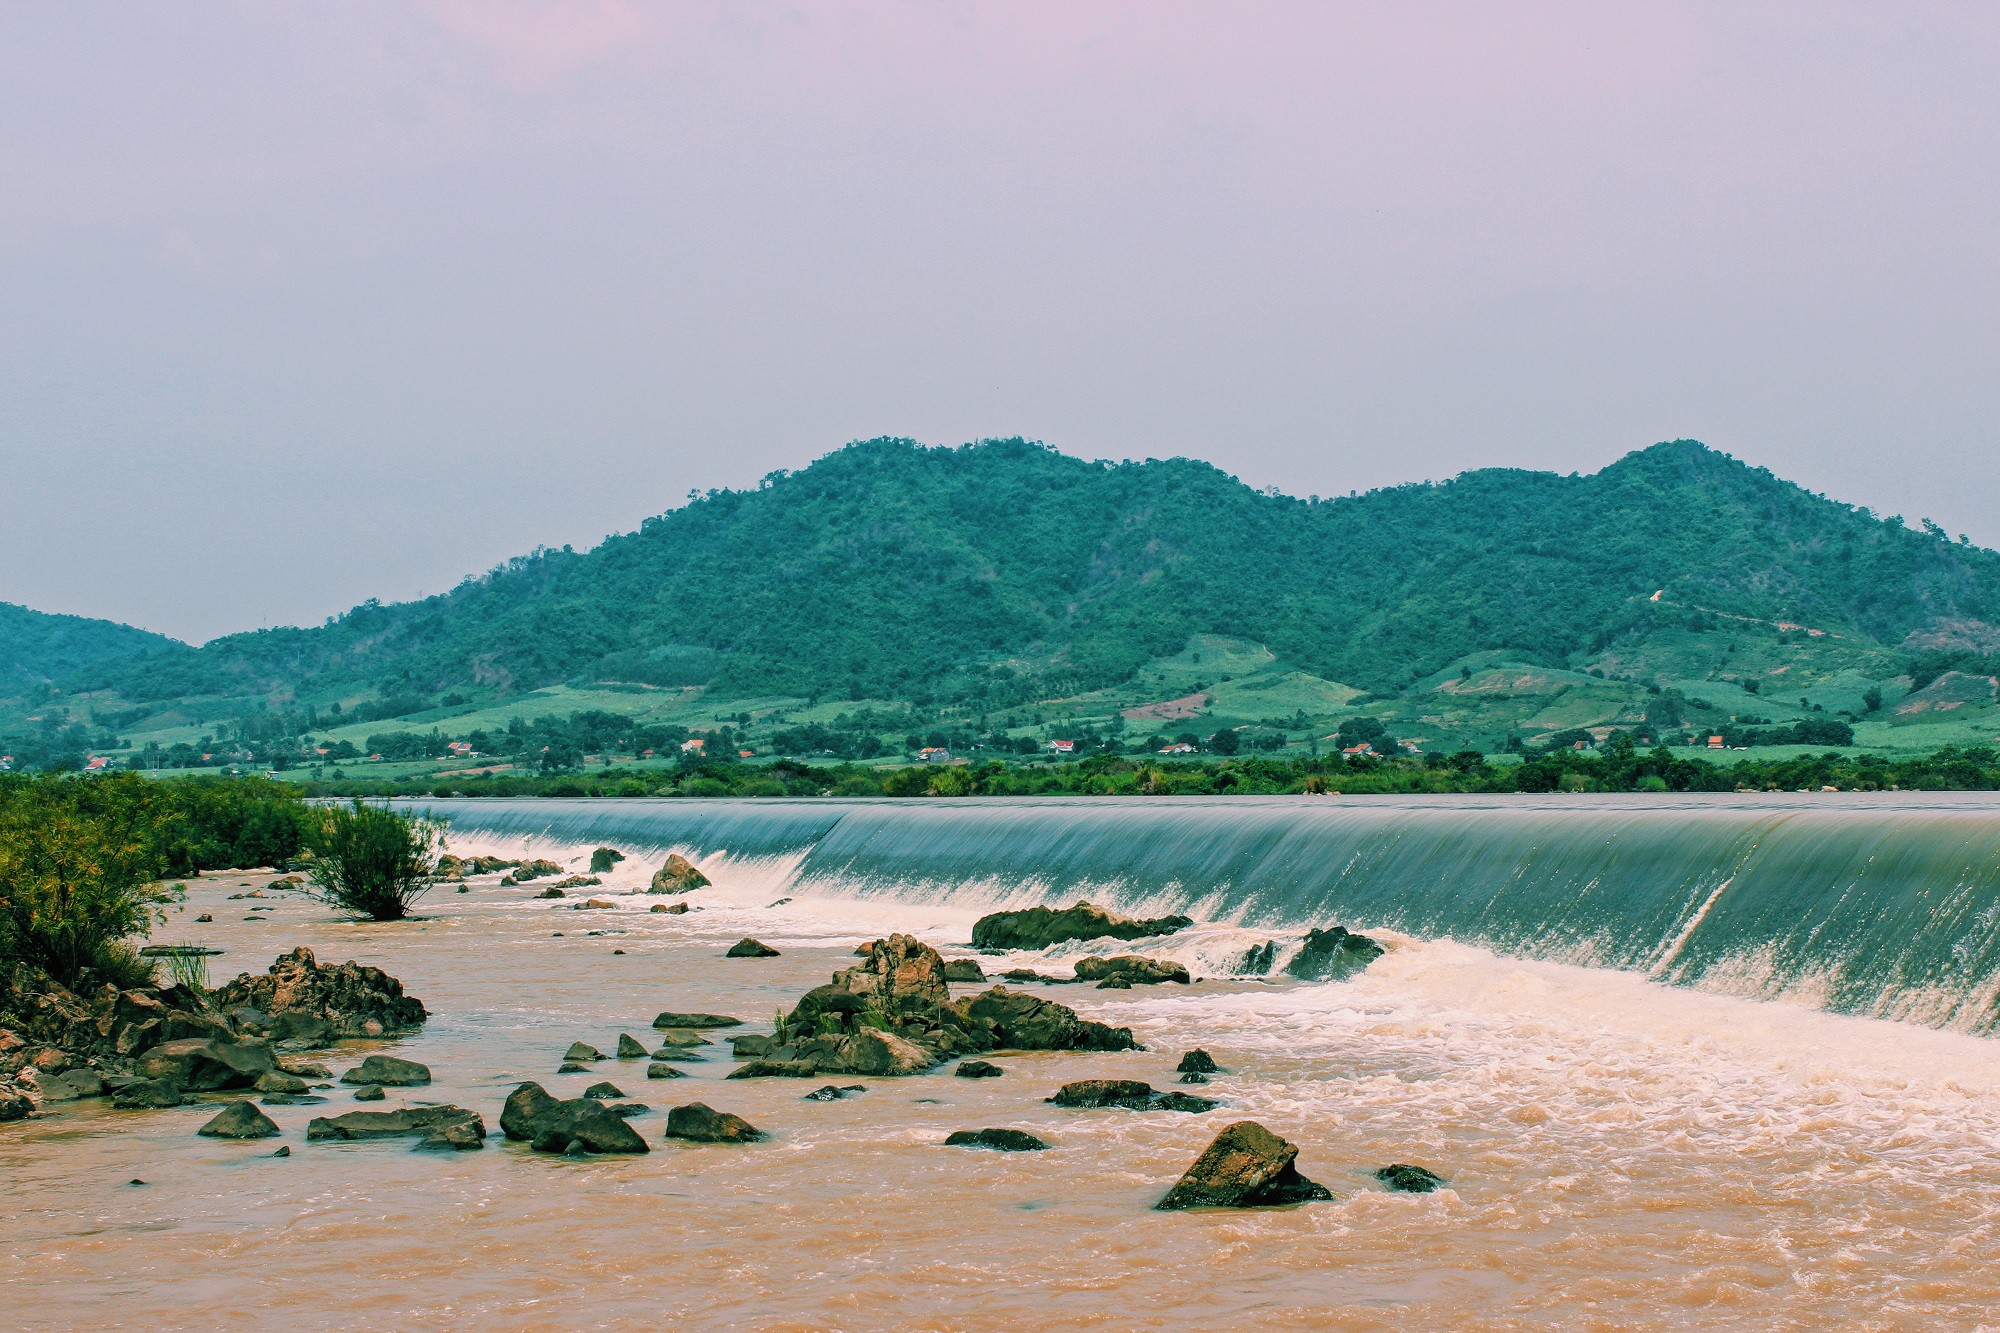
x=298, y=998
x=1040, y=927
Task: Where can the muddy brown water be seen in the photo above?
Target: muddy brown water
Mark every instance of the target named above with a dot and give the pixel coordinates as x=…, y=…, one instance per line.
x=1619, y=1155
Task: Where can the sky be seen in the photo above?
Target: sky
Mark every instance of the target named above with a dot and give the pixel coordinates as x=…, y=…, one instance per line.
x=305, y=304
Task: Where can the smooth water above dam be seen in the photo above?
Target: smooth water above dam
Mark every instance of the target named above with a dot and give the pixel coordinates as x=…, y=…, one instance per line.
x=1881, y=905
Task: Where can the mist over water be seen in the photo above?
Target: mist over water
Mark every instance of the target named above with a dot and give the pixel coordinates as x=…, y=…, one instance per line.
x=1879, y=905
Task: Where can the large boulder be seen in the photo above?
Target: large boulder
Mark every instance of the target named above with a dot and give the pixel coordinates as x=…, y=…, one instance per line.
x=388, y=1071
x=678, y=875
x=240, y=1120
x=963, y=969
x=1247, y=1166
x=400, y=1123
x=865, y=1051
x=551, y=1125
x=1131, y=969
x=1040, y=927
x=901, y=976
x=304, y=999
x=1017, y=1020
x=700, y=1123
x=146, y=1094
x=203, y=1064
x=1333, y=955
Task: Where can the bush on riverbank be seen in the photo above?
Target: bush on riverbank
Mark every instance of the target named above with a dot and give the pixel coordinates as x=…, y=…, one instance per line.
x=370, y=860
x=1627, y=769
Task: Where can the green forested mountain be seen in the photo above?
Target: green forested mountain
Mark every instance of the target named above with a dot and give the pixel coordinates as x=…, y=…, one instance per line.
x=1003, y=572
x=36, y=648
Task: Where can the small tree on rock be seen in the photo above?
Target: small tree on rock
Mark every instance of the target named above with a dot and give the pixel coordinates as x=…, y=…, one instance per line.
x=370, y=859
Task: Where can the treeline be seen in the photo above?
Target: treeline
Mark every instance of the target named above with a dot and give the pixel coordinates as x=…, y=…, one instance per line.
x=1621, y=768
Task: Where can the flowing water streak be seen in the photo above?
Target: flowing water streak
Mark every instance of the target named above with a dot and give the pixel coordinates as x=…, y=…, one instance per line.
x=1879, y=905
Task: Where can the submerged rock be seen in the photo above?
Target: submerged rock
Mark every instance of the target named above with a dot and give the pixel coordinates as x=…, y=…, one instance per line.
x=830, y=1093
x=776, y=1069
x=1333, y=955
x=1127, y=1094
x=1247, y=1166
x=978, y=1069
x=669, y=909
x=1192, y=1077
x=1000, y=1140
x=400, y=1123
x=369, y=1092
x=553, y=1126
x=678, y=875
x=453, y=1136
x=1040, y=927
x=663, y=1071
x=240, y=1120
x=552, y=892
x=305, y=999
x=1014, y=1019
x=1131, y=970
x=681, y=1038
x=700, y=1123
x=388, y=1071
x=602, y=1092
x=629, y=1047
x=749, y=948
x=671, y=1019
x=1405, y=1179
x=582, y=1051
x=1197, y=1061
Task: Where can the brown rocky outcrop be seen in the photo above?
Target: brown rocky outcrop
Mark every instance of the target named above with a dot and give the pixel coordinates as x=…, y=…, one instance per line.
x=204, y=1064
x=678, y=875
x=300, y=998
x=554, y=1126
x=1131, y=970
x=1247, y=1166
x=388, y=1071
x=698, y=1122
x=1017, y=1020
x=1040, y=927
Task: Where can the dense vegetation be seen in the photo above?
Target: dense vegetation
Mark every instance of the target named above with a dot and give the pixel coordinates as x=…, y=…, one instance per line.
x=1622, y=765
x=1000, y=573
x=82, y=860
x=370, y=860
x=36, y=648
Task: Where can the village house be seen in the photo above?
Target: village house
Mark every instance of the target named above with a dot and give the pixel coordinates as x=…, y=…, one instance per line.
x=934, y=754
x=1062, y=747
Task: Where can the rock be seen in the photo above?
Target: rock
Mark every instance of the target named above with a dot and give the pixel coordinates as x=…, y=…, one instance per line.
x=291, y=1099
x=305, y=1068
x=901, y=976
x=604, y=858
x=1194, y=1078
x=18, y=1101
x=1132, y=969
x=463, y=889
x=626, y=1110
x=963, y=969
x=240, y=1120
x=829, y=1093
x=205, y=1064
x=678, y=875
x=369, y=1092
x=1000, y=1140
x=602, y=1092
x=1040, y=927
x=582, y=1051
x=1197, y=1061
x=284, y=1150
x=776, y=1069
x=663, y=1071
x=749, y=948
x=596, y=905
x=570, y=1067
x=1247, y=1166
x=146, y=1094
x=670, y=909
x=1115, y=983
x=1128, y=1095
x=388, y=1071
x=699, y=1123
x=1405, y=1179
x=752, y=1047
x=1333, y=955
x=866, y=1051
x=978, y=1069
x=1096, y=1092
x=551, y=892
x=400, y=1123
x=273, y=1080
x=577, y=882
x=453, y=1136
x=674, y=1038
x=629, y=1047
x=674, y=1020
x=305, y=999
x=72, y=1086
x=1027, y=1022
x=528, y=870
x=204, y=918
x=550, y=1125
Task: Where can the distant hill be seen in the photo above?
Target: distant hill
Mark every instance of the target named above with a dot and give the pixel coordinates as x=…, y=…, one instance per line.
x=37, y=648
x=1004, y=572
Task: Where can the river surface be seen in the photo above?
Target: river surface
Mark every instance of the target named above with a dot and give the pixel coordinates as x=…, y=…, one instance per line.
x=1624, y=1148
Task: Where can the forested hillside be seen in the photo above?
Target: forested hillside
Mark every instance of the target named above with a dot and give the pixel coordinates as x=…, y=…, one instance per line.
x=36, y=648
x=1003, y=571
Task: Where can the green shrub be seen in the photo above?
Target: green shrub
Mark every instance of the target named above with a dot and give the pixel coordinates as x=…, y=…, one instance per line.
x=79, y=872
x=370, y=859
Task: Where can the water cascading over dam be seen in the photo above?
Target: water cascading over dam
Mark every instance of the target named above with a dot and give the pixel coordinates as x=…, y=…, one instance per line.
x=1886, y=906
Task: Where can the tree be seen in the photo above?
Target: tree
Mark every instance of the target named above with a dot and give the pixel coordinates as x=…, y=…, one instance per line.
x=371, y=859
x=1224, y=742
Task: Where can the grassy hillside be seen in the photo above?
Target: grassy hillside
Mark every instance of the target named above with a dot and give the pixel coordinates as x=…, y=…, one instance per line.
x=1017, y=590
x=37, y=648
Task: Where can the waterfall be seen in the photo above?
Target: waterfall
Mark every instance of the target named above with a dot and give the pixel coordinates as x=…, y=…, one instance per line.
x=1884, y=905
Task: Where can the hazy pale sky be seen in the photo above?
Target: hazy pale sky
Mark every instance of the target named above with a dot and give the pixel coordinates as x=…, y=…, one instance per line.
x=302, y=304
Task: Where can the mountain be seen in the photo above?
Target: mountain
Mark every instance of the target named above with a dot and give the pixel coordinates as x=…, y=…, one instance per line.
x=37, y=648
x=1003, y=572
